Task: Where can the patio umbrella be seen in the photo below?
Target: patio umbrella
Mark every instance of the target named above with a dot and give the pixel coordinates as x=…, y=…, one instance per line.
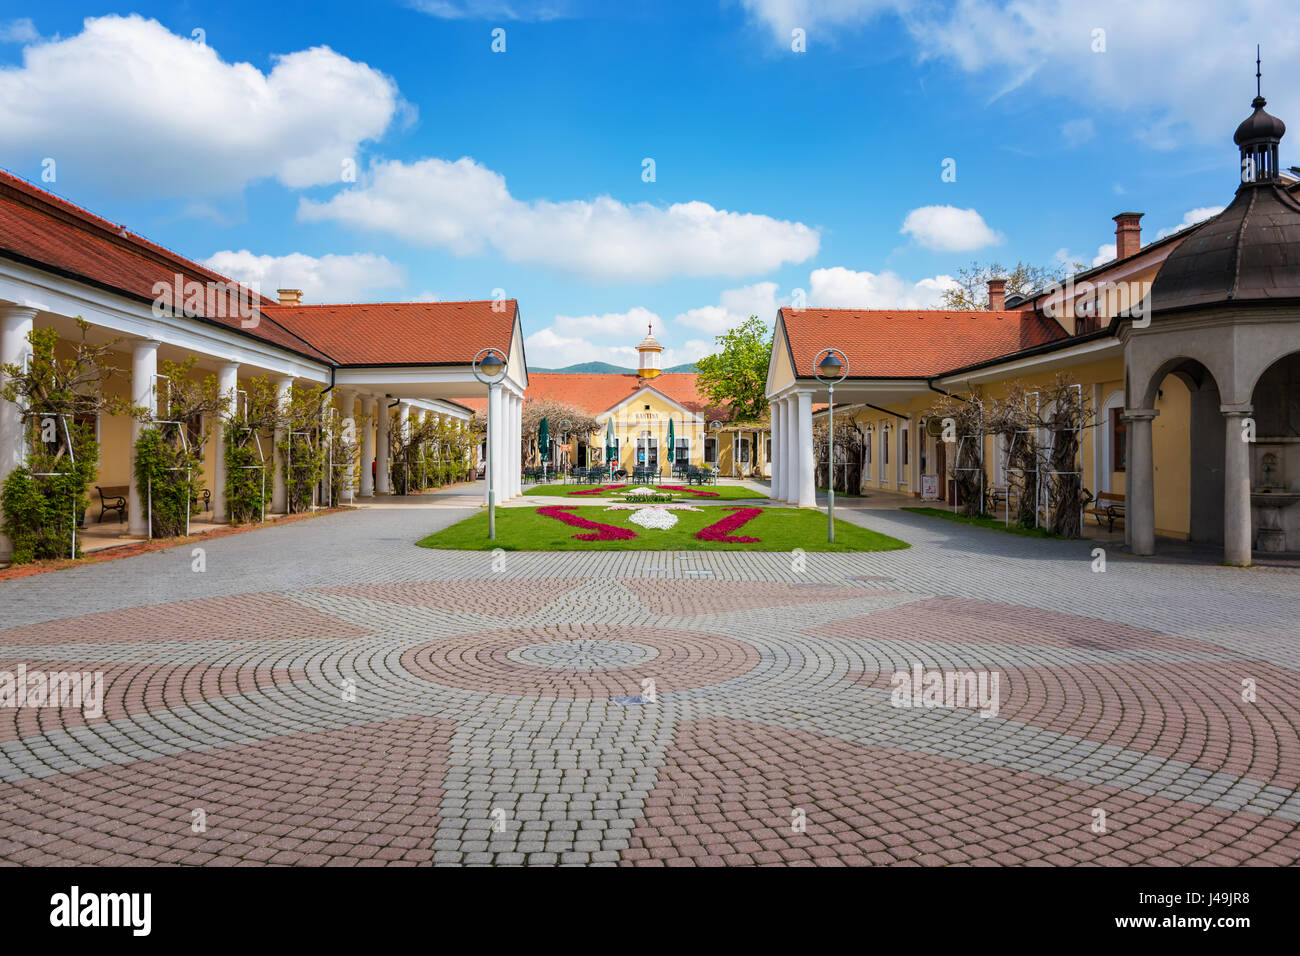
x=544, y=441
x=672, y=445
x=611, y=452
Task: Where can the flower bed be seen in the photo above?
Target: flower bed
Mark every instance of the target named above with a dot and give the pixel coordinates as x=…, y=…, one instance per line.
x=659, y=518
x=600, y=532
x=698, y=492
x=597, y=490
x=721, y=530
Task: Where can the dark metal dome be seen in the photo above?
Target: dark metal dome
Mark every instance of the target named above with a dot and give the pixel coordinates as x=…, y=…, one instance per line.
x=1259, y=126
x=1250, y=252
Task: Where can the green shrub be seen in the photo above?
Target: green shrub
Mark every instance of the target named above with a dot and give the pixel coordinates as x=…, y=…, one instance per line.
x=171, y=480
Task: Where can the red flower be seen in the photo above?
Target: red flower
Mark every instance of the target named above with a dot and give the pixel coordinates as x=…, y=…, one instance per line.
x=604, y=532
x=698, y=492
x=721, y=530
x=596, y=491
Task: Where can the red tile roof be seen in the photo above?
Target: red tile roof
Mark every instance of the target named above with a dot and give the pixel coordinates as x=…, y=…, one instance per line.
x=401, y=333
x=44, y=230
x=887, y=343
x=40, y=228
x=597, y=392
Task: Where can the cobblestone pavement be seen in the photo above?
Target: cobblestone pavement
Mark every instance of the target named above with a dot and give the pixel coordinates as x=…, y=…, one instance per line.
x=326, y=693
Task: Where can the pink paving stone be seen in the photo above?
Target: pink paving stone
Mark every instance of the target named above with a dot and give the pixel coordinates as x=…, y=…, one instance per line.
x=757, y=768
x=136, y=688
x=248, y=617
x=1187, y=711
x=504, y=598
x=318, y=779
x=969, y=621
x=686, y=659
x=677, y=598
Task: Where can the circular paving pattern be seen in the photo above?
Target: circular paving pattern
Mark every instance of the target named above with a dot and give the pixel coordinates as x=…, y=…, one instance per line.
x=587, y=660
x=583, y=655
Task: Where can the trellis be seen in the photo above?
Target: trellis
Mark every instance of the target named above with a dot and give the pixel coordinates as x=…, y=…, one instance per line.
x=67, y=435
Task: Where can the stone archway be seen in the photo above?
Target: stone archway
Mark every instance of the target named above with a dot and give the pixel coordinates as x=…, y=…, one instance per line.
x=1275, y=456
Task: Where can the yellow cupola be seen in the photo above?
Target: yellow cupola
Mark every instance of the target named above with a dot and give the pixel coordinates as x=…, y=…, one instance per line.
x=651, y=355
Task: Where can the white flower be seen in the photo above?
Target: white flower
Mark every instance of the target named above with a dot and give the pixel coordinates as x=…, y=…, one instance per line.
x=660, y=518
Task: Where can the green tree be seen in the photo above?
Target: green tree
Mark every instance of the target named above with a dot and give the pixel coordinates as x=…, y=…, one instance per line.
x=736, y=375
x=972, y=290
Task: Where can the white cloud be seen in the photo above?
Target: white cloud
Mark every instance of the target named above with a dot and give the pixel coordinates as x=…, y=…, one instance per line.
x=465, y=207
x=782, y=16
x=1076, y=132
x=325, y=279
x=841, y=288
x=949, y=229
x=734, y=307
x=620, y=326
x=130, y=104
x=1105, y=253
x=21, y=30
x=490, y=9
x=1191, y=218
x=1177, y=66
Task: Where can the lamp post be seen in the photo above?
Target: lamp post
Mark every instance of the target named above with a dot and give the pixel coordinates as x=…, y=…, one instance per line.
x=831, y=370
x=490, y=369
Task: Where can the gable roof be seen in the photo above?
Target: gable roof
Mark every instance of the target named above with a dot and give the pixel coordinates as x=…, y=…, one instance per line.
x=40, y=229
x=401, y=333
x=597, y=392
x=892, y=344
x=49, y=233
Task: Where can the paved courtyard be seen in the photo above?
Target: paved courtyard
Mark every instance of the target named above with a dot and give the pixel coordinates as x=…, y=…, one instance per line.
x=326, y=693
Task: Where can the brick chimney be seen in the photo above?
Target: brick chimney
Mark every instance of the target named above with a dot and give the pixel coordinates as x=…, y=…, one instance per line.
x=1128, y=234
x=289, y=296
x=997, y=295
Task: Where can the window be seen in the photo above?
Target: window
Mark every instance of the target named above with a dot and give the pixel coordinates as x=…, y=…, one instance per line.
x=867, y=445
x=767, y=450
x=903, y=441
x=744, y=451
x=884, y=445
x=711, y=451
x=1118, y=439
x=683, y=451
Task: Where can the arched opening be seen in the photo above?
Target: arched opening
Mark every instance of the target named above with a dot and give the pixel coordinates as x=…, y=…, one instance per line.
x=1275, y=457
x=1187, y=443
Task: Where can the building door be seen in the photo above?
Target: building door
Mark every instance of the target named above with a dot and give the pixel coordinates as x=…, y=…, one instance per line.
x=647, y=451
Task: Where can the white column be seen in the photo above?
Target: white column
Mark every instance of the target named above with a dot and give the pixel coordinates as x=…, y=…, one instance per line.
x=228, y=382
x=382, y=425
x=778, y=458
x=347, y=411
x=16, y=323
x=807, y=475
x=1238, y=532
x=144, y=366
x=279, y=490
x=494, y=443
x=518, y=445
x=1140, y=493
x=790, y=480
x=368, y=405
x=402, y=423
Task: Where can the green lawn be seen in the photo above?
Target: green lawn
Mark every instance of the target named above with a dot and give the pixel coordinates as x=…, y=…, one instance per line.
x=982, y=521
x=723, y=492
x=780, y=529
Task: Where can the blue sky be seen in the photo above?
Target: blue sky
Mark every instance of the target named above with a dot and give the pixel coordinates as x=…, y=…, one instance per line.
x=777, y=172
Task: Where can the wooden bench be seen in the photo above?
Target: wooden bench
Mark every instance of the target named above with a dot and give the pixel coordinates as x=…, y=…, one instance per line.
x=113, y=498
x=1108, y=505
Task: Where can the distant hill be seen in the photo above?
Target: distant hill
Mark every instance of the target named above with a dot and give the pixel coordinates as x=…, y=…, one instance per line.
x=604, y=368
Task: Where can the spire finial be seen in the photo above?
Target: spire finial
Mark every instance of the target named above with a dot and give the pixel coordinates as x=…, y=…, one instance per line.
x=1257, y=73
